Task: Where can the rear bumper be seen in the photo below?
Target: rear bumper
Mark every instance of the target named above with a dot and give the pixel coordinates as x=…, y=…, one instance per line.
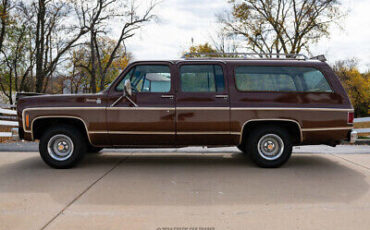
x=353, y=136
x=15, y=134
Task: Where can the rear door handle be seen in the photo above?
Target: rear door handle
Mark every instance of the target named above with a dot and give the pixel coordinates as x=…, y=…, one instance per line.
x=222, y=96
x=167, y=96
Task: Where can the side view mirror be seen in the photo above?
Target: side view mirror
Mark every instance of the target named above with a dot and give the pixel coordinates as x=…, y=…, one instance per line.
x=127, y=90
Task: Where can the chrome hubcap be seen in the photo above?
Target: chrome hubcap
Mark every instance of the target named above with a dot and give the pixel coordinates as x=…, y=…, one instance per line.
x=270, y=146
x=60, y=147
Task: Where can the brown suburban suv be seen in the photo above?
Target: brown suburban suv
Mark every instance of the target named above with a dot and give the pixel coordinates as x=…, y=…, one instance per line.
x=262, y=106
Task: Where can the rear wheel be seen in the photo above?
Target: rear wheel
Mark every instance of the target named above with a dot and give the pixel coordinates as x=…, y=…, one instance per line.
x=62, y=146
x=242, y=148
x=269, y=147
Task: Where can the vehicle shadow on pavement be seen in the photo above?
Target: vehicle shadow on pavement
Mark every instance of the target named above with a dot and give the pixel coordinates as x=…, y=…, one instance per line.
x=190, y=179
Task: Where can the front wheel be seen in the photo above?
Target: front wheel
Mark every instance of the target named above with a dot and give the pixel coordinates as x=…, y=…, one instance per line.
x=269, y=147
x=62, y=146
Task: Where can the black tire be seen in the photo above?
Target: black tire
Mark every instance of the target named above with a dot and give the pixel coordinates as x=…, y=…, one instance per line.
x=269, y=136
x=242, y=148
x=75, y=155
x=91, y=149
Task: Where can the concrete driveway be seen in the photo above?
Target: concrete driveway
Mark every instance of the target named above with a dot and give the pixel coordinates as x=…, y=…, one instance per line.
x=189, y=188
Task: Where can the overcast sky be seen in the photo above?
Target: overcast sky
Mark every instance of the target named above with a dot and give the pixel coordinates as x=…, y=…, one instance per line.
x=180, y=20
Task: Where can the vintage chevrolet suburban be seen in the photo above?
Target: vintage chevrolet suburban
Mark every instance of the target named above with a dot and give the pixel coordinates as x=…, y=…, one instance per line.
x=262, y=106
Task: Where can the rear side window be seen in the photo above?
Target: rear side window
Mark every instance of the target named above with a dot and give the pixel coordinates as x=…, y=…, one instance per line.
x=202, y=78
x=280, y=79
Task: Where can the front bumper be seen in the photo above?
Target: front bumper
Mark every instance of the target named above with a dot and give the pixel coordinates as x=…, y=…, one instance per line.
x=353, y=137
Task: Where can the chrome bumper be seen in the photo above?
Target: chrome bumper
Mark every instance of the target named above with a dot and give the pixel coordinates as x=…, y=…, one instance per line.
x=353, y=137
x=15, y=134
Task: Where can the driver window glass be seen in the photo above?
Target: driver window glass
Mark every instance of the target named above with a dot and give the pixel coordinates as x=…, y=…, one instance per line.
x=148, y=78
x=121, y=85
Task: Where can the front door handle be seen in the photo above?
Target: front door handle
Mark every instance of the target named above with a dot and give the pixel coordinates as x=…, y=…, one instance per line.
x=222, y=96
x=167, y=96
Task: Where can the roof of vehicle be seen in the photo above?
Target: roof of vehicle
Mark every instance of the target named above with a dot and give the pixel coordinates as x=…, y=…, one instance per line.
x=251, y=58
x=241, y=61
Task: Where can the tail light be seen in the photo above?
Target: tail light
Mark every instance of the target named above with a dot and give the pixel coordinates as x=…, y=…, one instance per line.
x=350, y=117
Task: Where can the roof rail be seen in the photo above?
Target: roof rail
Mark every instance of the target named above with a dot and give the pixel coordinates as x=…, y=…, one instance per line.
x=244, y=56
x=319, y=57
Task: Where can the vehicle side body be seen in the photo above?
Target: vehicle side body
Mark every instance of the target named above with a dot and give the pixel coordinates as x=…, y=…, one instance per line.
x=176, y=118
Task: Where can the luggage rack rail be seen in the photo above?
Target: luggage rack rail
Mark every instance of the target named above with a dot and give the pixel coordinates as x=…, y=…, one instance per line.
x=237, y=56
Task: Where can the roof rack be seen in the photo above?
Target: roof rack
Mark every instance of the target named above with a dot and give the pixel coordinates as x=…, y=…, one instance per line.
x=245, y=56
x=319, y=57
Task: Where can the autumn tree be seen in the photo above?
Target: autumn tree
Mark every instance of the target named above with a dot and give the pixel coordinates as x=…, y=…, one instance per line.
x=81, y=66
x=129, y=19
x=16, y=55
x=202, y=48
x=356, y=84
x=5, y=7
x=281, y=26
x=54, y=37
x=220, y=48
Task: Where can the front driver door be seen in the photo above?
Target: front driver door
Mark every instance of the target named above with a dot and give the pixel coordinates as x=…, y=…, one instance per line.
x=152, y=122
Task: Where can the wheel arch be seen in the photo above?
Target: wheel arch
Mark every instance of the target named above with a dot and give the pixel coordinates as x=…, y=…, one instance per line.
x=295, y=131
x=41, y=123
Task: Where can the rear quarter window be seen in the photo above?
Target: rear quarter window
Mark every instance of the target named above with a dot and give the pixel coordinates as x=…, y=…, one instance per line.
x=280, y=79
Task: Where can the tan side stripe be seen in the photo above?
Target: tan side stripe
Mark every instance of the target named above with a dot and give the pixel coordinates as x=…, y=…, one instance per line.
x=201, y=133
x=161, y=133
x=141, y=132
x=325, y=129
x=98, y=132
x=202, y=108
x=140, y=108
x=287, y=108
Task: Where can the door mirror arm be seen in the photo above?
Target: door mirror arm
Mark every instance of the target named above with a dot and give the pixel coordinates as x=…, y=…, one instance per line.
x=127, y=93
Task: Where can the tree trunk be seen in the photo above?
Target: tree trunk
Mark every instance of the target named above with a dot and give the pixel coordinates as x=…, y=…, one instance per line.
x=3, y=23
x=40, y=46
x=93, y=63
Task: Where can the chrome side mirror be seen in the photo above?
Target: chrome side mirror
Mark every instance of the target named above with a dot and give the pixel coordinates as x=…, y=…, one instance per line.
x=127, y=93
x=127, y=90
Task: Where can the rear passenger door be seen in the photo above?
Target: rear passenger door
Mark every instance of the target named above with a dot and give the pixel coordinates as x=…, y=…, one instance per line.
x=202, y=104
